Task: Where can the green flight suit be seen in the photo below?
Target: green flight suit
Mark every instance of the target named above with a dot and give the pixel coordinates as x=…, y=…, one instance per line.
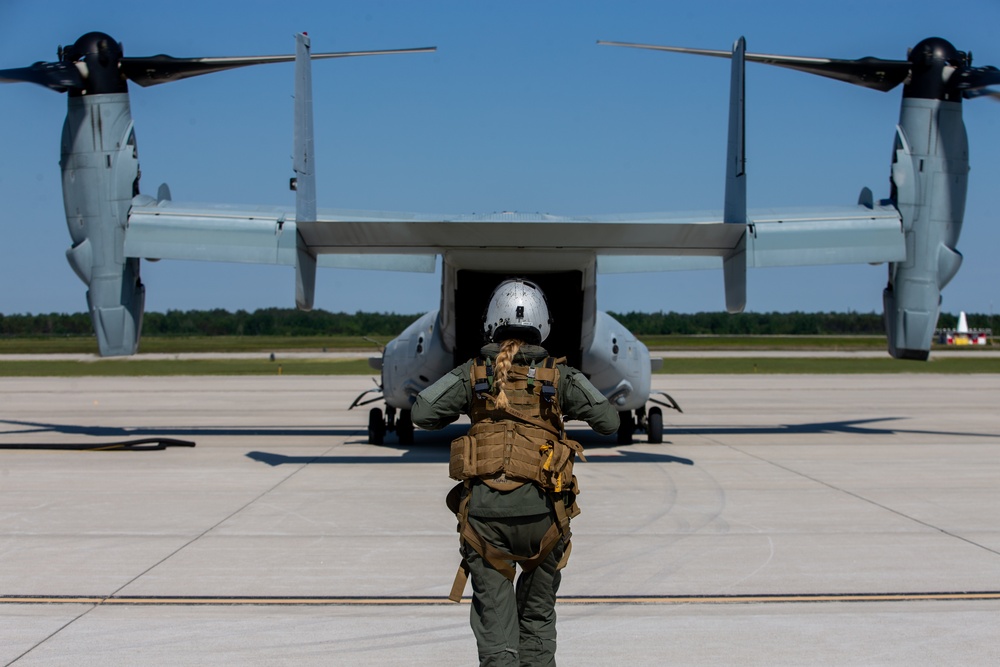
x=514, y=625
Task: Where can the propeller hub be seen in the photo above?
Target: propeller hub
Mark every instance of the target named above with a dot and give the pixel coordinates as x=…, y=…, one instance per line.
x=933, y=62
x=98, y=57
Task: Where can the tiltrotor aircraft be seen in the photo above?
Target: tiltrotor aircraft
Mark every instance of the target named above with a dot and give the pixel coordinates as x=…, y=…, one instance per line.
x=113, y=226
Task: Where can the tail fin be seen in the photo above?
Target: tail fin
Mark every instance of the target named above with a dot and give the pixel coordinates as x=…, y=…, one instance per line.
x=305, y=173
x=734, y=265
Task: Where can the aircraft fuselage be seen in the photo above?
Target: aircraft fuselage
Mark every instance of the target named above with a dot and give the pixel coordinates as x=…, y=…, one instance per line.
x=615, y=361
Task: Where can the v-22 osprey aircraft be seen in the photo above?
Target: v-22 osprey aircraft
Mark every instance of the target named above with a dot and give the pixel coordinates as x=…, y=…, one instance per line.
x=113, y=226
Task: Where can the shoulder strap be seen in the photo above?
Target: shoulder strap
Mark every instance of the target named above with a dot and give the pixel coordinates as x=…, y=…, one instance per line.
x=517, y=414
x=482, y=375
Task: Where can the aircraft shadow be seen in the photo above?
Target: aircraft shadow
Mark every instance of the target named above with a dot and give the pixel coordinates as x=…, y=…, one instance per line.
x=850, y=426
x=191, y=431
x=439, y=454
x=431, y=446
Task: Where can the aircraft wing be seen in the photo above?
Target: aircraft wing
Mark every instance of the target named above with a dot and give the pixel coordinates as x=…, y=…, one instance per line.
x=410, y=241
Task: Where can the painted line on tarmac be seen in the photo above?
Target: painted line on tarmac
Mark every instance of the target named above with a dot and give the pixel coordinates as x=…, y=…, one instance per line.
x=371, y=601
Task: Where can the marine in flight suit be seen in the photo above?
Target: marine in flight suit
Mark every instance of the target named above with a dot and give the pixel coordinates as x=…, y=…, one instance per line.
x=514, y=624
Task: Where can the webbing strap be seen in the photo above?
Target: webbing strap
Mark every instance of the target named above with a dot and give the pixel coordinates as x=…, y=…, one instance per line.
x=576, y=447
x=562, y=521
x=482, y=375
x=565, y=556
x=462, y=575
x=501, y=560
x=549, y=540
x=517, y=414
x=495, y=557
x=562, y=518
x=458, y=502
x=461, y=578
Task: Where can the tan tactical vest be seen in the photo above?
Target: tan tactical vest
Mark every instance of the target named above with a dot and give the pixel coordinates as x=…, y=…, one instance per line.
x=522, y=443
x=509, y=447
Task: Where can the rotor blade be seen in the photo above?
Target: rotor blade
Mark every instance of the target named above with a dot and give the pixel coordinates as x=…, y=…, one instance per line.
x=152, y=70
x=975, y=78
x=869, y=72
x=975, y=93
x=56, y=76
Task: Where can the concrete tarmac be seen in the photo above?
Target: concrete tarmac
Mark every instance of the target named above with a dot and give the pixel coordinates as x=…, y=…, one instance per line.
x=785, y=520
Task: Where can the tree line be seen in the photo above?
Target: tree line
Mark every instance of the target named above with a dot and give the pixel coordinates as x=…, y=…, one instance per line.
x=293, y=322
x=219, y=322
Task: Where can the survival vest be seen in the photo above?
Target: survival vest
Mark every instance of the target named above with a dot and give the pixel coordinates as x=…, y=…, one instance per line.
x=509, y=447
x=524, y=442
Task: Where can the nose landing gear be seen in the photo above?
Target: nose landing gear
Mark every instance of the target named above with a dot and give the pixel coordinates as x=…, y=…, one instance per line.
x=378, y=427
x=650, y=423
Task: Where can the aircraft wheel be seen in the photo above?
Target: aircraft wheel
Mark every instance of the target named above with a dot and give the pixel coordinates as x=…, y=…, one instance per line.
x=376, y=427
x=654, y=426
x=404, y=428
x=626, y=427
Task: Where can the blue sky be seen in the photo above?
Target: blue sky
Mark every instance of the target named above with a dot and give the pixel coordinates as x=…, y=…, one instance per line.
x=518, y=110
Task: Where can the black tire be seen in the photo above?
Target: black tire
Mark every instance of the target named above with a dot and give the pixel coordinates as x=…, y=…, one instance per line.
x=626, y=427
x=404, y=428
x=376, y=427
x=654, y=426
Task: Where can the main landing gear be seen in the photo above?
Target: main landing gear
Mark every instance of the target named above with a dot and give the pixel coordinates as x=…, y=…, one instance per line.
x=377, y=426
x=650, y=423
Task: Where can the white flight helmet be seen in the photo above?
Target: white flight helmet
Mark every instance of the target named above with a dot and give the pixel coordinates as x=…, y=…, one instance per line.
x=517, y=310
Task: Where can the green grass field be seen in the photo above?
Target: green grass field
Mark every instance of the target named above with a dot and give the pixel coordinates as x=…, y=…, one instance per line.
x=940, y=362
x=144, y=367
x=175, y=345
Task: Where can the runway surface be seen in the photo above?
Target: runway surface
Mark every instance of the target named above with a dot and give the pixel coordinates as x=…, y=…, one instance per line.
x=785, y=520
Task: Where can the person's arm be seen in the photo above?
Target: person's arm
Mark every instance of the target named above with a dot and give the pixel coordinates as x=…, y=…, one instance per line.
x=579, y=399
x=444, y=401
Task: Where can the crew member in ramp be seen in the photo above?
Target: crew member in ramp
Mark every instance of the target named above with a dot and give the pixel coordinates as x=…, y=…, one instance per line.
x=516, y=492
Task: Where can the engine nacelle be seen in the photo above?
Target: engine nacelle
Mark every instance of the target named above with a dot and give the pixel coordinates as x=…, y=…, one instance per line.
x=618, y=364
x=929, y=178
x=413, y=361
x=100, y=174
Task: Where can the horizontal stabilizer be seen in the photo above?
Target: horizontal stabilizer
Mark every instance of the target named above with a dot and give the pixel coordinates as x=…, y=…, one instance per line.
x=267, y=235
x=792, y=237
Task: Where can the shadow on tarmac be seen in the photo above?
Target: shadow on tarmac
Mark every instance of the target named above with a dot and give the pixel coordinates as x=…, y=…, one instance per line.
x=439, y=454
x=431, y=446
x=192, y=431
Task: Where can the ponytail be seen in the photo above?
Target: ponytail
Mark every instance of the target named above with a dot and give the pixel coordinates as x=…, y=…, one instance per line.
x=504, y=360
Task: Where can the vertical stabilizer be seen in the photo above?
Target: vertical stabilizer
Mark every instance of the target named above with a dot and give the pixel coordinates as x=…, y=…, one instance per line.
x=735, y=263
x=305, y=172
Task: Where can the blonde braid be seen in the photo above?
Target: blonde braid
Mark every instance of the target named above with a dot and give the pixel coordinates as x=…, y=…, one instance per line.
x=504, y=360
